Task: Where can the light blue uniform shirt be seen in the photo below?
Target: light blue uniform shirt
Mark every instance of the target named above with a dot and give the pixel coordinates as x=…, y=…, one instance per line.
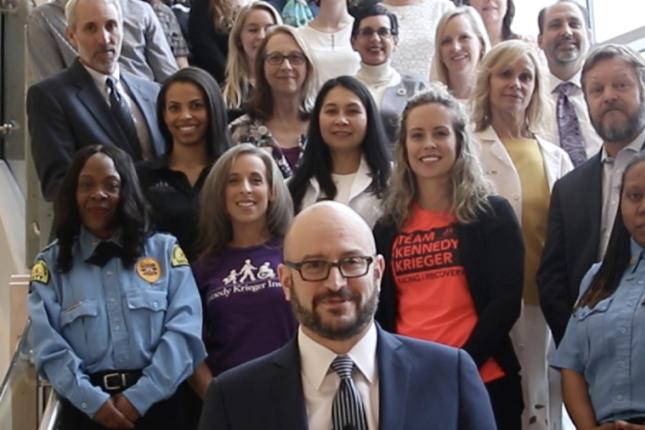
x=606, y=344
x=93, y=319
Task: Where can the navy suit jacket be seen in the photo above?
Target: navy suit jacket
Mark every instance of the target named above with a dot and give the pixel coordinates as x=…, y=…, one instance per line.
x=422, y=386
x=572, y=241
x=67, y=112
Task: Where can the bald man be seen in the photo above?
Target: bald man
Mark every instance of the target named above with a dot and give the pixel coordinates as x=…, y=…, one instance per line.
x=342, y=371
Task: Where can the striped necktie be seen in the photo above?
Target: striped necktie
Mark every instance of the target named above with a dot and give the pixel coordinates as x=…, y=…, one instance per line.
x=347, y=412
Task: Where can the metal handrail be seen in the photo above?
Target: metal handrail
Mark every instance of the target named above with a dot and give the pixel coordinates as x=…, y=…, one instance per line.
x=22, y=352
x=52, y=410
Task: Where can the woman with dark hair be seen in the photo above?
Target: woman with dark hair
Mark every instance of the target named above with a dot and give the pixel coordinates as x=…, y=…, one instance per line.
x=454, y=251
x=192, y=119
x=346, y=157
x=116, y=317
x=278, y=110
x=497, y=16
x=601, y=354
x=245, y=213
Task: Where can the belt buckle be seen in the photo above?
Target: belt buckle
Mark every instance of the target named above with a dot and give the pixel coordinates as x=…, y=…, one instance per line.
x=120, y=381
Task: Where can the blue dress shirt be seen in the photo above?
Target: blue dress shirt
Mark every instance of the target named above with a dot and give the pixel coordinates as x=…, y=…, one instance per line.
x=92, y=319
x=606, y=344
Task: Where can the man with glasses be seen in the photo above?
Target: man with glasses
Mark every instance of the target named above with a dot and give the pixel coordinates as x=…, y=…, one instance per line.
x=342, y=371
x=374, y=36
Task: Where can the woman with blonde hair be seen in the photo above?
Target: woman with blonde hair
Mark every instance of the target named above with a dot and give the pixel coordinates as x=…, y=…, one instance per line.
x=209, y=25
x=278, y=109
x=454, y=251
x=245, y=212
x=509, y=104
x=461, y=42
x=248, y=32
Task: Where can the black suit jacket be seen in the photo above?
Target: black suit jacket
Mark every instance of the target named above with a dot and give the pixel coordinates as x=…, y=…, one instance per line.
x=492, y=253
x=572, y=240
x=422, y=386
x=67, y=112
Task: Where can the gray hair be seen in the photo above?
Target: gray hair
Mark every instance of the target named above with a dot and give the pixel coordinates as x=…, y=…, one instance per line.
x=70, y=11
x=613, y=50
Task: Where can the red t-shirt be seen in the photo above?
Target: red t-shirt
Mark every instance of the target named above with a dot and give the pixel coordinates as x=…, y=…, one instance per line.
x=434, y=300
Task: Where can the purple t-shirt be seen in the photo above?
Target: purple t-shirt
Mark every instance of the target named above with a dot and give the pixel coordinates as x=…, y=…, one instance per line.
x=245, y=312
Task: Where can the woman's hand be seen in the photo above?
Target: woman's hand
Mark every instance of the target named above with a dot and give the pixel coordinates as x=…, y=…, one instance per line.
x=624, y=425
x=109, y=416
x=200, y=379
x=122, y=403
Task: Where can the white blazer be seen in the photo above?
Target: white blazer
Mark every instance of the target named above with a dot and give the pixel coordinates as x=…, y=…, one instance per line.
x=499, y=168
x=362, y=200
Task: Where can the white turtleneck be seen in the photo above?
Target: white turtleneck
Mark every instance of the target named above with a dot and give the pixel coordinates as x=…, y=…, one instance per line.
x=378, y=78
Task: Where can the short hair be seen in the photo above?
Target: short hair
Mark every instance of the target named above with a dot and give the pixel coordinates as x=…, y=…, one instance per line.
x=260, y=104
x=468, y=185
x=238, y=68
x=500, y=56
x=214, y=221
x=218, y=138
x=70, y=11
x=316, y=161
x=132, y=212
x=614, y=50
x=438, y=71
x=544, y=10
x=362, y=11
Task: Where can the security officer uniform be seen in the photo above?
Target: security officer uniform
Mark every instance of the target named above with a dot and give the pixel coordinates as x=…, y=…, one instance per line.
x=103, y=328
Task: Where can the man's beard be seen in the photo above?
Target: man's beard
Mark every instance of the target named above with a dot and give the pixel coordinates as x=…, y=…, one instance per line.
x=627, y=131
x=312, y=319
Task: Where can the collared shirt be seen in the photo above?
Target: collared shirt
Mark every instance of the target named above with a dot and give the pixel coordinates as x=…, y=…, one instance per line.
x=320, y=383
x=606, y=344
x=612, y=176
x=145, y=51
x=137, y=116
x=592, y=141
x=99, y=318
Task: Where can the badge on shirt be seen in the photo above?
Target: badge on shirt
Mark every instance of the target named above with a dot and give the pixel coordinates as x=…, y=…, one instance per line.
x=178, y=258
x=40, y=272
x=149, y=269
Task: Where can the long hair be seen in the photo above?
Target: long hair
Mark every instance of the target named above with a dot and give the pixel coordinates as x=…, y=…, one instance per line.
x=468, y=187
x=438, y=71
x=499, y=57
x=507, y=20
x=215, y=228
x=261, y=102
x=132, y=213
x=316, y=159
x=616, y=259
x=218, y=138
x=238, y=67
x=223, y=13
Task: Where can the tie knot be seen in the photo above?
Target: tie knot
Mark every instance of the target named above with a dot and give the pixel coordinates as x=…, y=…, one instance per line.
x=566, y=88
x=110, y=83
x=343, y=366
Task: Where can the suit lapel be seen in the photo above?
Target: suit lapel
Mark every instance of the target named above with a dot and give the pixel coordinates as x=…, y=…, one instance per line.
x=595, y=178
x=93, y=100
x=289, y=405
x=147, y=106
x=394, y=378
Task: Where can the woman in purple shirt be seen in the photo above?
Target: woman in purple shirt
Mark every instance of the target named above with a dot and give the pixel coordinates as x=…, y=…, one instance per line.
x=244, y=215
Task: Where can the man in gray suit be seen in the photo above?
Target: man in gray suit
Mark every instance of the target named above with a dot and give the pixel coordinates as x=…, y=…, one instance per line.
x=92, y=101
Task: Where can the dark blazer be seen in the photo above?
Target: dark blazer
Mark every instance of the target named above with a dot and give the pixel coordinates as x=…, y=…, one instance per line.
x=572, y=240
x=492, y=253
x=67, y=112
x=422, y=386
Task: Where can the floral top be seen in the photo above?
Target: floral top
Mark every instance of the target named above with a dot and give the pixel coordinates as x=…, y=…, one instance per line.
x=252, y=130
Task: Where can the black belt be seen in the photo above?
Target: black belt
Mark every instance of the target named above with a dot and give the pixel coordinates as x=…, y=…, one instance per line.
x=115, y=380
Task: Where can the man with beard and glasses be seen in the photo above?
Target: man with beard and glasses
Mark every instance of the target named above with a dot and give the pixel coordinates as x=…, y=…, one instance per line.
x=564, y=38
x=93, y=101
x=584, y=202
x=342, y=371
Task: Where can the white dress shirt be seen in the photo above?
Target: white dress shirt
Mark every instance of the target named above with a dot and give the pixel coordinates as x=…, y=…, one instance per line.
x=592, y=141
x=137, y=116
x=320, y=383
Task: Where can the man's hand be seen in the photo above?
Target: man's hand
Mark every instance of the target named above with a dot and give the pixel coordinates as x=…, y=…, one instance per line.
x=109, y=416
x=125, y=407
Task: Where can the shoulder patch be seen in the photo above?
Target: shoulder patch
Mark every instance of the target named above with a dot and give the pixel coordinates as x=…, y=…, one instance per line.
x=40, y=272
x=178, y=258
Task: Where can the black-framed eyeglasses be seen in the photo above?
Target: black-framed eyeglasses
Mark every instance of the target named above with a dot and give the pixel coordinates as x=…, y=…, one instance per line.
x=382, y=32
x=318, y=270
x=277, y=58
